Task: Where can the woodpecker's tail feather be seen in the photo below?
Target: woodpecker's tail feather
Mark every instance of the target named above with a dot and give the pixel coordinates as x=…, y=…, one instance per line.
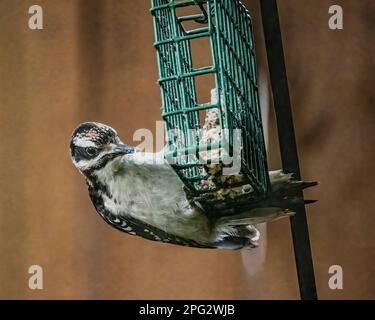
x=286, y=191
x=239, y=231
x=280, y=180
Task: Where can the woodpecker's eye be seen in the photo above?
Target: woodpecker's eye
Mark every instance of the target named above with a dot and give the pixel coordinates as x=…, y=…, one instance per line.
x=92, y=152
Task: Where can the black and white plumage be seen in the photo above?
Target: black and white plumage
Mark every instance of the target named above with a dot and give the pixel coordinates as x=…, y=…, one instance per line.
x=140, y=194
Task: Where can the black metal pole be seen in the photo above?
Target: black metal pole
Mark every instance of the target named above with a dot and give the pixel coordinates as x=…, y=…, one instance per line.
x=288, y=146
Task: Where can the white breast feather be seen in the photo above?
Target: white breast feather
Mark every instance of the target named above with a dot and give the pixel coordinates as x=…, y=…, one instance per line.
x=145, y=187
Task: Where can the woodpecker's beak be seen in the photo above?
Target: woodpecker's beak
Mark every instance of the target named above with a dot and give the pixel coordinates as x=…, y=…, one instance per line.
x=122, y=149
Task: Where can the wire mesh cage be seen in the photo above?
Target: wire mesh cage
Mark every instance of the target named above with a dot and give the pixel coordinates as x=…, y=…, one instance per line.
x=206, y=138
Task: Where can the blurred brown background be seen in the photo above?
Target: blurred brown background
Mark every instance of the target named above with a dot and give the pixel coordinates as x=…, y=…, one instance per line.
x=94, y=60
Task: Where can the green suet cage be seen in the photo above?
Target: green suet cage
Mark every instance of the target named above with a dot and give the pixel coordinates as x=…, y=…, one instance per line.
x=227, y=26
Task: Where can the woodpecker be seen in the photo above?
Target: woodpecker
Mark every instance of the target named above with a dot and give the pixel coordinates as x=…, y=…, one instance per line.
x=140, y=194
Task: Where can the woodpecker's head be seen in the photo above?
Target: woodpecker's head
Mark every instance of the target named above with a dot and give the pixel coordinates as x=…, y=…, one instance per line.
x=94, y=145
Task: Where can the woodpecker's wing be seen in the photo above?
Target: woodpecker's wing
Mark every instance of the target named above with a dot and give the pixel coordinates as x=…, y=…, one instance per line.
x=138, y=228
